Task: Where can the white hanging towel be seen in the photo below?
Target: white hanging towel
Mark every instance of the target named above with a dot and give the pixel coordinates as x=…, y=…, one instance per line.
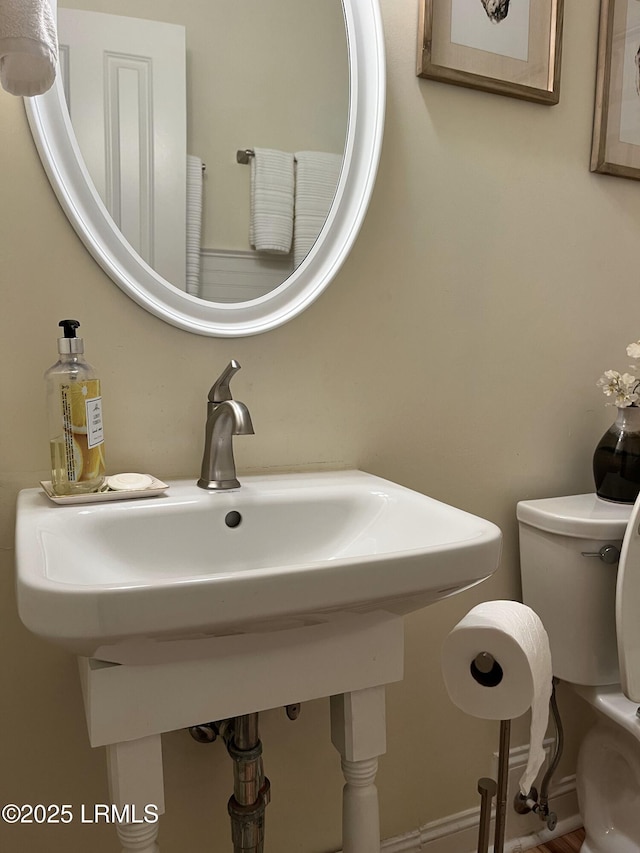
x=317, y=175
x=271, y=221
x=194, y=223
x=28, y=47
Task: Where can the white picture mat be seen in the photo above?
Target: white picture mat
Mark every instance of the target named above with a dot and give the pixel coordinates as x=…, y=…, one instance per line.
x=471, y=27
x=630, y=106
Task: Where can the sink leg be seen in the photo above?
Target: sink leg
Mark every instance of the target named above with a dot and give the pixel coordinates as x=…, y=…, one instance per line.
x=138, y=837
x=358, y=732
x=136, y=788
x=360, y=816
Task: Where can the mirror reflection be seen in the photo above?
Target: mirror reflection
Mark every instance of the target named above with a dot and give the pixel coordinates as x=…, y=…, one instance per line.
x=213, y=131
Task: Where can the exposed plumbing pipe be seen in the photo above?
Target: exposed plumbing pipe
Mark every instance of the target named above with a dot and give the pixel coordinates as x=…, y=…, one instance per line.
x=546, y=781
x=251, y=789
x=540, y=805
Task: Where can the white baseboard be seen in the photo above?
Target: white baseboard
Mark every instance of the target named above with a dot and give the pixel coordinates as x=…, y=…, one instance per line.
x=458, y=833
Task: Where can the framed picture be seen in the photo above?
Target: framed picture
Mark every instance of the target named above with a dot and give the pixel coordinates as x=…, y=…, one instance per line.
x=510, y=47
x=616, y=126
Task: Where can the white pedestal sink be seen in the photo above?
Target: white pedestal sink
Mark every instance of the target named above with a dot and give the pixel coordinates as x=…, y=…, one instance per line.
x=198, y=606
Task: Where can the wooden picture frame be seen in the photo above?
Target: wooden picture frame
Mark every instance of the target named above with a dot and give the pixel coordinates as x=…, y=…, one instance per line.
x=616, y=125
x=512, y=50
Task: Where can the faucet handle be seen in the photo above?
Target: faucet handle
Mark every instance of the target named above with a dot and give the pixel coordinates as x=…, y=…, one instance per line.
x=220, y=390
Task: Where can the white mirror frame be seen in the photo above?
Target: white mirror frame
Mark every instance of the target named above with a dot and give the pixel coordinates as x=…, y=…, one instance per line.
x=51, y=128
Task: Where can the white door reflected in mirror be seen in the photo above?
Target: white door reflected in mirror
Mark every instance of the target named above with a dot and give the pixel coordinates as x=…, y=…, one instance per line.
x=337, y=110
x=125, y=86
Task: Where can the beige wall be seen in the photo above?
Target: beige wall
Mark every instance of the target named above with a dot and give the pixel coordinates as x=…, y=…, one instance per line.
x=457, y=353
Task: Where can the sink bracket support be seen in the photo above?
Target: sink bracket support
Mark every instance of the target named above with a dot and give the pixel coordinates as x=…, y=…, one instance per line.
x=127, y=703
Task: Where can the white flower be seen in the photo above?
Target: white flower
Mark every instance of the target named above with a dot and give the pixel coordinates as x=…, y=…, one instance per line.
x=620, y=386
x=623, y=388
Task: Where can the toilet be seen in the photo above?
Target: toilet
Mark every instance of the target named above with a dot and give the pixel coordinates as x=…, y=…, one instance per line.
x=580, y=567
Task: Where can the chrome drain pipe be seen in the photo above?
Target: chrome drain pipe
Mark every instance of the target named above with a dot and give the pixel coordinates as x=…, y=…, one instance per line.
x=251, y=789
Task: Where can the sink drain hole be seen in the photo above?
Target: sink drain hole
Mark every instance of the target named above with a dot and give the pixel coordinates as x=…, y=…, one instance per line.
x=232, y=519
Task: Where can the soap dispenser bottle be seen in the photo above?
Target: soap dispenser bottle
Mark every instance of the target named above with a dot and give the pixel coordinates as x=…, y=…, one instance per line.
x=74, y=406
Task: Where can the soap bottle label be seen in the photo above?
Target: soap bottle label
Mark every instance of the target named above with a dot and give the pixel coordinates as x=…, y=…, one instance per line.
x=95, y=432
x=82, y=430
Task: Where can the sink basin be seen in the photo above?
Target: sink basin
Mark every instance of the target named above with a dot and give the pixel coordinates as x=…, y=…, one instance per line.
x=283, y=551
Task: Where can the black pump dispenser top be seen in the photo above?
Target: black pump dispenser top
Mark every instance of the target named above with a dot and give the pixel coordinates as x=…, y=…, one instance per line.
x=69, y=344
x=69, y=327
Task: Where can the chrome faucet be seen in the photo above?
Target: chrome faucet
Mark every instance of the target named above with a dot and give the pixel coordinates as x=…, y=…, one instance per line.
x=226, y=417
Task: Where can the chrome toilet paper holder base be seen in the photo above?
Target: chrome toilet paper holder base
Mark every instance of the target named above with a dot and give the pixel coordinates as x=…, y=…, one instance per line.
x=486, y=670
x=487, y=788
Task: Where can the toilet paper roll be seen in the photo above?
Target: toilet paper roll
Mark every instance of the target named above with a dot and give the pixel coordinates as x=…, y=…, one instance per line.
x=521, y=677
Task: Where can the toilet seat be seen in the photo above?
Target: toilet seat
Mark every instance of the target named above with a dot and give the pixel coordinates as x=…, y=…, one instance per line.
x=627, y=605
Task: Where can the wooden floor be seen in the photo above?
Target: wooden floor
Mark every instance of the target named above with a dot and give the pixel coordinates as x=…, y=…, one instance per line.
x=567, y=844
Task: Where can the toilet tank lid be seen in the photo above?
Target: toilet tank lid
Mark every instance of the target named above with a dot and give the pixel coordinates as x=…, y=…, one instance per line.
x=581, y=516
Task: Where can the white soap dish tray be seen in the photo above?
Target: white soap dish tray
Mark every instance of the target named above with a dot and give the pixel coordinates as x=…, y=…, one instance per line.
x=157, y=487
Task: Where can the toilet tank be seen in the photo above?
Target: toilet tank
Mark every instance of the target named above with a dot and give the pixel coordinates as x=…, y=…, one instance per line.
x=573, y=594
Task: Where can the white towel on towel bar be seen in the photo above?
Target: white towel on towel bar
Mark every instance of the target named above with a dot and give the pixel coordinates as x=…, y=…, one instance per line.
x=28, y=47
x=194, y=223
x=317, y=175
x=271, y=221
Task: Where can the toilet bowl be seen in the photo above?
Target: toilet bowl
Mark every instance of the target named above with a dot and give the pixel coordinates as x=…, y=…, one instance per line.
x=574, y=554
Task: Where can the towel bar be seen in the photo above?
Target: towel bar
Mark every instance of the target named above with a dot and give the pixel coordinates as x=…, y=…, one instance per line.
x=244, y=155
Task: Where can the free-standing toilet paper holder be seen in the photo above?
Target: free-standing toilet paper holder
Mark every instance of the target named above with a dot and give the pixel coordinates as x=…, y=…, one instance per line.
x=487, y=671
x=513, y=631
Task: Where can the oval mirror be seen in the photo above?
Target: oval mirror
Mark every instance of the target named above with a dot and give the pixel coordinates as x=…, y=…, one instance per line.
x=233, y=160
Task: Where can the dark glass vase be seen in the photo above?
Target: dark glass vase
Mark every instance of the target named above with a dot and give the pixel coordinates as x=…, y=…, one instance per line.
x=616, y=461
